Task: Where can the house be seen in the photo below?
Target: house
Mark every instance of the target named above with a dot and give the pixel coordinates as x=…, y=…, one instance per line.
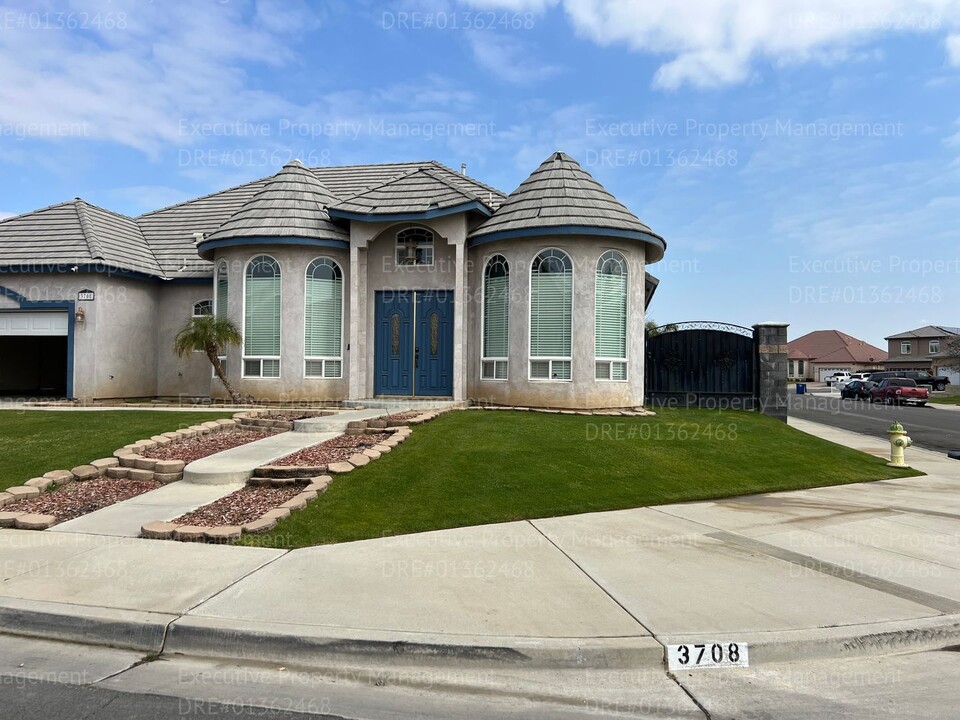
x=402, y=279
x=923, y=349
x=819, y=354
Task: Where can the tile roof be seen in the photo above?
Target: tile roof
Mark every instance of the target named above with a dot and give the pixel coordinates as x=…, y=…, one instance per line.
x=931, y=331
x=560, y=193
x=290, y=204
x=833, y=346
x=418, y=191
x=75, y=233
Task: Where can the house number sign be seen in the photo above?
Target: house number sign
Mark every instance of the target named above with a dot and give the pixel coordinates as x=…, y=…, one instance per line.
x=707, y=655
x=86, y=296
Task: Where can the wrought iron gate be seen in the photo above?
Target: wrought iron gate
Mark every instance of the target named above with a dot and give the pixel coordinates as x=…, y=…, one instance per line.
x=701, y=364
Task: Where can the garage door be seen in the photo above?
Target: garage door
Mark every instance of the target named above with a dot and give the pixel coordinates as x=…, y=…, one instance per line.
x=33, y=354
x=33, y=324
x=827, y=372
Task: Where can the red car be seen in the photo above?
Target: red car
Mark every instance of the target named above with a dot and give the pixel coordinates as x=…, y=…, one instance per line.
x=897, y=391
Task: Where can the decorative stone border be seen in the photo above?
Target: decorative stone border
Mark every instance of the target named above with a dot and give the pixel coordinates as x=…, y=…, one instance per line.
x=251, y=420
x=126, y=463
x=284, y=476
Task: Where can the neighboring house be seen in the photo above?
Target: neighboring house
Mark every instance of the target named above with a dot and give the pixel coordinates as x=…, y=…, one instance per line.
x=404, y=279
x=923, y=349
x=819, y=354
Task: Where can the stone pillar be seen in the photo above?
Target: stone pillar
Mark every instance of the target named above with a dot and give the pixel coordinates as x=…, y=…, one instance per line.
x=770, y=341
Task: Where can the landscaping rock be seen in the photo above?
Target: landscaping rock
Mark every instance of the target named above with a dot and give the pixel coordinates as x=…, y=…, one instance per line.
x=103, y=463
x=382, y=448
x=5, y=498
x=262, y=525
x=116, y=473
x=199, y=429
x=276, y=514
x=167, y=478
x=173, y=435
x=319, y=484
x=59, y=477
x=168, y=466
x=362, y=424
x=32, y=521
x=160, y=440
x=377, y=424
x=225, y=423
x=20, y=492
x=123, y=452
x=190, y=533
x=213, y=426
x=139, y=474
x=158, y=530
x=295, y=503
x=129, y=461
x=307, y=495
x=354, y=431
x=41, y=483
x=223, y=534
x=145, y=463
x=86, y=472
x=290, y=471
x=371, y=453
x=9, y=519
x=339, y=467
x=147, y=444
x=358, y=460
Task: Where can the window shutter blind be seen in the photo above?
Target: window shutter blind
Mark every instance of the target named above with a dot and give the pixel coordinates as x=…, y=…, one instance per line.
x=222, y=291
x=551, y=302
x=611, y=338
x=262, y=317
x=324, y=316
x=496, y=308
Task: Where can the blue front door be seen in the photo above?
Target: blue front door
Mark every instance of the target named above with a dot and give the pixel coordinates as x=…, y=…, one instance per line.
x=413, y=343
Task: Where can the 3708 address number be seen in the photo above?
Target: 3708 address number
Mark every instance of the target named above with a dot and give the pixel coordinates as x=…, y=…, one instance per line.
x=708, y=655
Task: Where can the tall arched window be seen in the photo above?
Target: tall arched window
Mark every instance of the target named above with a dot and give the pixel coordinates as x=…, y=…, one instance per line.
x=496, y=319
x=611, y=317
x=323, y=333
x=551, y=309
x=220, y=294
x=261, y=318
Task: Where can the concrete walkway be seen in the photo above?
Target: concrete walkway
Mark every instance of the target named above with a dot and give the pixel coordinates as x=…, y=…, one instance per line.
x=829, y=572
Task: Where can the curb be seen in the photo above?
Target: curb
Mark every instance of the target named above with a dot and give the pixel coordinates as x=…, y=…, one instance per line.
x=128, y=629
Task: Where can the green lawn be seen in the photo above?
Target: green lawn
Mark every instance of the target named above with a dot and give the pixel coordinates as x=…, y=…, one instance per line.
x=35, y=441
x=946, y=399
x=470, y=468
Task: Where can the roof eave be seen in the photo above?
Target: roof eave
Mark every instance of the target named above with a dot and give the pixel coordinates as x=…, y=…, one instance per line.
x=655, y=241
x=205, y=249
x=472, y=206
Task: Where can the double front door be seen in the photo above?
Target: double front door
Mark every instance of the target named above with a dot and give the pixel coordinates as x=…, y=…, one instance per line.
x=413, y=346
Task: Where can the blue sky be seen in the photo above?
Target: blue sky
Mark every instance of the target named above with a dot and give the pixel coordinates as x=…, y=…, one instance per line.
x=803, y=162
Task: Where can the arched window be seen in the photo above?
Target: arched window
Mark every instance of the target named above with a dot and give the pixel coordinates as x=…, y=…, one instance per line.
x=415, y=247
x=496, y=319
x=551, y=309
x=261, y=318
x=203, y=307
x=220, y=294
x=323, y=333
x=611, y=317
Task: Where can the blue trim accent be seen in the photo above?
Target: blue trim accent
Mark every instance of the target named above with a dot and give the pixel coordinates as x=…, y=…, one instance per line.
x=648, y=238
x=207, y=246
x=424, y=215
x=68, y=305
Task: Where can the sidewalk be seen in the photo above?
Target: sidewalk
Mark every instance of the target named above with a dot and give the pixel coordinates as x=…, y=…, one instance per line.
x=829, y=572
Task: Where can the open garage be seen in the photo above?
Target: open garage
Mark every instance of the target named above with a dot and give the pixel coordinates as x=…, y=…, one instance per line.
x=33, y=353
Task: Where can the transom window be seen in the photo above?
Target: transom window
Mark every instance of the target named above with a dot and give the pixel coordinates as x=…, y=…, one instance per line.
x=496, y=319
x=415, y=247
x=203, y=307
x=323, y=319
x=611, y=317
x=261, y=318
x=551, y=313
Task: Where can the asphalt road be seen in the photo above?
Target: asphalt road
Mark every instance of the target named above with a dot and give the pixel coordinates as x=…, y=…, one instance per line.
x=929, y=427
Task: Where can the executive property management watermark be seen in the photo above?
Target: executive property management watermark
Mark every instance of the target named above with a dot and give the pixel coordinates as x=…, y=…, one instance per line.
x=290, y=129
x=24, y=131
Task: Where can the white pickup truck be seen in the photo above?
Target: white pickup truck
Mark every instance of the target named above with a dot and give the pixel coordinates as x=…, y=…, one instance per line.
x=839, y=379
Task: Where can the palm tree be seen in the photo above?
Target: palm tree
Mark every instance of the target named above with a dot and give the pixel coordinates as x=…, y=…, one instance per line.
x=209, y=334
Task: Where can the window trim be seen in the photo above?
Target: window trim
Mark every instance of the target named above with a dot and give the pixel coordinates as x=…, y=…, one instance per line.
x=930, y=349
x=324, y=359
x=552, y=358
x=433, y=247
x=598, y=359
x=243, y=310
x=908, y=345
x=483, y=327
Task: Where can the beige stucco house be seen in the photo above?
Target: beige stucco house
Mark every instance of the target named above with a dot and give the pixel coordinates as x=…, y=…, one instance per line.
x=349, y=283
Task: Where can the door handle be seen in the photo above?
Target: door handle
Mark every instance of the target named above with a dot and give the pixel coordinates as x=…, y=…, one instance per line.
x=416, y=358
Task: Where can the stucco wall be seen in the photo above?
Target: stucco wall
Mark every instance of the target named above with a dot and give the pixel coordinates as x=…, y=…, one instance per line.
x=583, y=390
x=291, y=385
x=188, y=376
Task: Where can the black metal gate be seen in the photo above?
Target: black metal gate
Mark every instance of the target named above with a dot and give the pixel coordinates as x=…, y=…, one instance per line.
x=701, y=364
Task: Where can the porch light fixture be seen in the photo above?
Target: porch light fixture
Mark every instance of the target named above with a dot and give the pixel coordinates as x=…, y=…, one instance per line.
x=81, y=315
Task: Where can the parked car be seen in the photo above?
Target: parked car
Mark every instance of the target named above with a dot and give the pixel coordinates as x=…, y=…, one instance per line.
x=857, y=389
x=861, y=375
x=897, y=391
x=921, y=377
x=838, y=377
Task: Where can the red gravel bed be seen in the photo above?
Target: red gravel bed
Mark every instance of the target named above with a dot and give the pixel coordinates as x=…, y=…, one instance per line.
x=243, y=506
x=401, y=416
x=332, y=451
x=201, y=447
x=291, y=415
x=79, y=498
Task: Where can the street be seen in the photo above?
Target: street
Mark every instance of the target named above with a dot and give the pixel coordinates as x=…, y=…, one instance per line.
x=929, y=427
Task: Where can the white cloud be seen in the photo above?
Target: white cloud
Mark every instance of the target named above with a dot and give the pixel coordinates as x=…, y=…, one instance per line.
x=512, y=5
x=711, y=43
x=508, y=58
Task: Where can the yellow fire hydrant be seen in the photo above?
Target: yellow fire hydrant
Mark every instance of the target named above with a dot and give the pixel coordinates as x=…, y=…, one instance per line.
x=899, y=440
